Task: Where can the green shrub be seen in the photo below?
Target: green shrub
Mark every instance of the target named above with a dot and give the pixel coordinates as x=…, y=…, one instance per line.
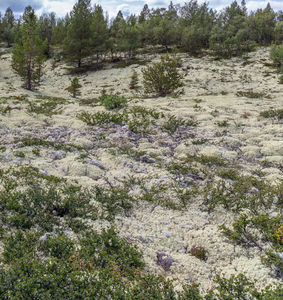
x=252, y=95
x=134, y=81
x=113, y=101
x=162, y=78
x=276, y=54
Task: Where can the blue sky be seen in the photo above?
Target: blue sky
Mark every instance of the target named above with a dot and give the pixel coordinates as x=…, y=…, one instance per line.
x=61, y=7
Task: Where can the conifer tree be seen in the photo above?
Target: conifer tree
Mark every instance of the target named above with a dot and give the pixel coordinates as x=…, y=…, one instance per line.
x=99, y=31
x=28, y=57
x=77, y=44
x=60, y=30
x=74, y=87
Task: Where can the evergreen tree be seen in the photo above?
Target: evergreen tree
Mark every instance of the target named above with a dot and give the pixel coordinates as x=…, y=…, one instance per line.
x=8, y=35
x=162, y=78
x=28, y=57
x=77, y=44
x=9, y=18
x=99, y=32
x=74, y=87
x=60, y=30
x=46, y=24
x=144, y=14
x=114, y=28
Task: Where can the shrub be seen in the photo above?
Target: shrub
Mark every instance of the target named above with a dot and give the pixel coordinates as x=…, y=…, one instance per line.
x=199, y=252
x=162, y=78
x=276, y=54
x=134, y=81
x=113, y=101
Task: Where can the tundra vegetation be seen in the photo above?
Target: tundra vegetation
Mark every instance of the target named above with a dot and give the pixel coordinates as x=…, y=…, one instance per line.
x=50, y=250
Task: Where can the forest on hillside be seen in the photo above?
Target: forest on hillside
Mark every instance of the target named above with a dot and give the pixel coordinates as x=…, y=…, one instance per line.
x=87, y=30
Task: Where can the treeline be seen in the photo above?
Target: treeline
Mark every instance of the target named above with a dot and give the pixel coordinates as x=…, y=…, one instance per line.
x=87, y=30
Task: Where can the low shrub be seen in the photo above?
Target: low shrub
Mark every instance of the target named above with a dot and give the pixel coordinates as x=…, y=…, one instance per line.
x=113, y=101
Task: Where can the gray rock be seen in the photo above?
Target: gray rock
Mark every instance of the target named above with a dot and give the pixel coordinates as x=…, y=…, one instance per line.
x=164, y=223
x=165, y=261
x=166, y=233
x=187, y=226
x=57, y=155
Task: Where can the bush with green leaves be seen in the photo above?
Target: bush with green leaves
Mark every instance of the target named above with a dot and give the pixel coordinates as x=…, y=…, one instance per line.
x=113, y=101
x=134, y=81
x=163, y=78
x=276, y=54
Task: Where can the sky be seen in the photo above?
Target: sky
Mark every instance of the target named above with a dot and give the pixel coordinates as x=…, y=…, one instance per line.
x=61, y=7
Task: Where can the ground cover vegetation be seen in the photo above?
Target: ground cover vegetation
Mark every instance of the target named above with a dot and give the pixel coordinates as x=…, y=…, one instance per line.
x=50, y=250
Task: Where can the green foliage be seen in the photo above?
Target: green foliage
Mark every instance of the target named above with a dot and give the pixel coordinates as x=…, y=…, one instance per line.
x=276, y=54
x=47, y=108
x=114, y=201
x=108, y=248
x=101, y=118
x=28, y=55
x=73, y=89
x=5, y=110
x=36, y=151
x=199, y=252
x=162, y=78
x=272, y=113
x=77, y=41
x=134, y=81
x=46, y=208
x=172, y=124
x=113, y=101
x=252, y=95
x=223, y=123
x=235, y=288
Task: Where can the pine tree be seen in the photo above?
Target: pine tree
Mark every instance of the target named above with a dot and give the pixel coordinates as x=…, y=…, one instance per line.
x=28, y=55
x=77, y=44
x=162, y=78
x=99, y=31
x=74, y=87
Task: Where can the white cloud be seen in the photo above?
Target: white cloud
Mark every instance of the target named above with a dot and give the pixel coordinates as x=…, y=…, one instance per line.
x=254, y=5
x=61, y=8
x=124, y=9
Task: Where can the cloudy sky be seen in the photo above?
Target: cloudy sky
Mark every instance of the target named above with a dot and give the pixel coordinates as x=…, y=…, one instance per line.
x=61, y=7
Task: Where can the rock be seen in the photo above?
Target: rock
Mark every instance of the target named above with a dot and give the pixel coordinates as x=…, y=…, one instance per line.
x=165, y=261
x=164, y=223
x=166, y=233
x=57, y=154
x=187, y=226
